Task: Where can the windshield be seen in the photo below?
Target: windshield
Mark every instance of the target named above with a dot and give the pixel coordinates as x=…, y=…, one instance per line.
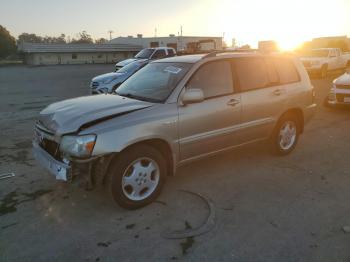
x=317, y=53
x=130, y=68
x=154, y=82
x=145, y=53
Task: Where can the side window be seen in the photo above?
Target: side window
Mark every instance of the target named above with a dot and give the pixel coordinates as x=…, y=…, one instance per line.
x=171, y=52
x=214, y=78
x=251, y=73
x=286, y=70
x=159, y=54
x=271, y=71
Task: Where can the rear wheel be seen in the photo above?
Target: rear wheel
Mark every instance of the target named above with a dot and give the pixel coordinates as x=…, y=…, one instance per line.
x=286, y=134
x=137, y=177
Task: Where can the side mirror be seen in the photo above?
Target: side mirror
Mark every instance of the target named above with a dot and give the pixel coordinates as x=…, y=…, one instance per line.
x=192, y=95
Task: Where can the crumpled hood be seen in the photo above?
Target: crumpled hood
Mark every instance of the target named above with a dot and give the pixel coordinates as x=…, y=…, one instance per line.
x=126, y=62
x=104, y=77
x=343, y=80
x=69, y=115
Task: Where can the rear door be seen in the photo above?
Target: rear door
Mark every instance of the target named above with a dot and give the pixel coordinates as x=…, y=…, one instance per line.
x=262, y=94
x=211, y=125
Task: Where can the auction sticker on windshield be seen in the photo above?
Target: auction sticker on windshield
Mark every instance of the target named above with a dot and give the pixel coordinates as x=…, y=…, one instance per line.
x=172, y=69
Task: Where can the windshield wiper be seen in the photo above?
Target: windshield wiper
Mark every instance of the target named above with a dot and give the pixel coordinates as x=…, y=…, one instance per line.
x=132, y=96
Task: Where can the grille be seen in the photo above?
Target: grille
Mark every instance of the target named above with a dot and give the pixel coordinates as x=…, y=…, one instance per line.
x=340, y=97
x=51, y=147
x=343, y=86
x=95, y=84
x=46, y=142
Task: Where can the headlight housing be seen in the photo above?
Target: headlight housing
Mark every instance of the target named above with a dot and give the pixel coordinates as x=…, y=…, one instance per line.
x=78, y=146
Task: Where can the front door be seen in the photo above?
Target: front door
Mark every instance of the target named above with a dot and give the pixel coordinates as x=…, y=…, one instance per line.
x=210, y=125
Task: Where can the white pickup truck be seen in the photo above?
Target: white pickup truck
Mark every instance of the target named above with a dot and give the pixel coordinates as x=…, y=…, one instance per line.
x=323, y=60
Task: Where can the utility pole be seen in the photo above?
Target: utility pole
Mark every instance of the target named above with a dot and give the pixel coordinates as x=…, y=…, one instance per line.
x=155, y=32
x=181, y=46
x=110, y=34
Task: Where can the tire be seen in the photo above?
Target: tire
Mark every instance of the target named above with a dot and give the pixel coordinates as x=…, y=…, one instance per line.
x=324, y=71
x=280, y=147
x=130, y=183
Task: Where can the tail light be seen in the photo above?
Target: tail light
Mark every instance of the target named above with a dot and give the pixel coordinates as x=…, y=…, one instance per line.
x=313, y=94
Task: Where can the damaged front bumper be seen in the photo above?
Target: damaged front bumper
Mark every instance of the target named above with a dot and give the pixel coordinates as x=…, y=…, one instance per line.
x=91, y=171
x=61, y=170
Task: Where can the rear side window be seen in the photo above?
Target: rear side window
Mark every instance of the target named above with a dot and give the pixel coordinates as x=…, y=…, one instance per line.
x=159, y=54
x=271, y=71
x=252, y=73
x=214, y=78
x=286, y=70
x=171, y=52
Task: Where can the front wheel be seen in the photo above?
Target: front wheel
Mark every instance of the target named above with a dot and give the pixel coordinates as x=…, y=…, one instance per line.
x=286, y=135
x=137, y=177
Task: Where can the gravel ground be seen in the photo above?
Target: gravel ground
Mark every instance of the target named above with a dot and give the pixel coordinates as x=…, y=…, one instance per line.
x=267, y=208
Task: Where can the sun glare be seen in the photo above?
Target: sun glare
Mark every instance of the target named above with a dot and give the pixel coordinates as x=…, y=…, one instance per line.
x=289, y=23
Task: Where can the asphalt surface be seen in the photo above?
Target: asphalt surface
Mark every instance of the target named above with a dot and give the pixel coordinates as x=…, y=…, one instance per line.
x=267, y=208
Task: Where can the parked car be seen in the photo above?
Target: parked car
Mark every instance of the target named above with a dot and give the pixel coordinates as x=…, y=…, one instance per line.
x=340, y=92
x=323, y=60
x=148, y=53
x=171, y=112
x=108, y=83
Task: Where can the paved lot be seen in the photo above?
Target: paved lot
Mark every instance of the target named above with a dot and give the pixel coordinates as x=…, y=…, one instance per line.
x=267, y=208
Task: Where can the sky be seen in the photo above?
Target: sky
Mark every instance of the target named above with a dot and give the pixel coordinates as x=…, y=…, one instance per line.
x=289, y=22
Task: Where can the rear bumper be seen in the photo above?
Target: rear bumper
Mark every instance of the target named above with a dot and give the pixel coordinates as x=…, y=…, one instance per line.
x=338, y=97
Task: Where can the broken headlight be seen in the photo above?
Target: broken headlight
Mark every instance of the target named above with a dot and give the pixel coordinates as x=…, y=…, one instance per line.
x=78, y=146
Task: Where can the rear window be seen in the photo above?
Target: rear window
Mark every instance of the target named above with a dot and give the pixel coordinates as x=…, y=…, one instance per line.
x=286, y=70
x=171, y=52
x=159, y=54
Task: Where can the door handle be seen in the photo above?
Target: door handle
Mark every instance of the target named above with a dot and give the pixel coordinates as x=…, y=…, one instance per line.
x=277, y=92
x=233, y=102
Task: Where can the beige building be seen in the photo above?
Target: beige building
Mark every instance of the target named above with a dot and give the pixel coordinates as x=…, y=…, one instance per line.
x=342, y=42
x=180, y=43
x=55, y=54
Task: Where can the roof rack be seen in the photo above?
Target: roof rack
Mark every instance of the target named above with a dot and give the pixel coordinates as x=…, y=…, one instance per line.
x=217, y=52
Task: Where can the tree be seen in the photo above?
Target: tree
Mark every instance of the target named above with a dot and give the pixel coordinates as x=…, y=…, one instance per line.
x=101, y=41
x=29, y=38
x=55, y=40
x=7, y=43
x=85, y=38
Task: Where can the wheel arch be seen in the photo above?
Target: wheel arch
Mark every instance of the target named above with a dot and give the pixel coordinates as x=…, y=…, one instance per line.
x=159, y=144
x=295, y=111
